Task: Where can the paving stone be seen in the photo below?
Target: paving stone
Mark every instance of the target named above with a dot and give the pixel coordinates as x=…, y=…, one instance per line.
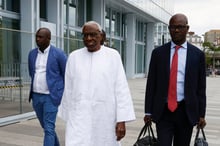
x=29, y=133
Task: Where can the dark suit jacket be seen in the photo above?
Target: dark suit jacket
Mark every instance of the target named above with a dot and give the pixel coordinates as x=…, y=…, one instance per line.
x=55, y=71
x=158, y=82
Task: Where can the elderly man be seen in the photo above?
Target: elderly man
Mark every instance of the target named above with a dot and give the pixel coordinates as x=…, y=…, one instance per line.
x=96, y=101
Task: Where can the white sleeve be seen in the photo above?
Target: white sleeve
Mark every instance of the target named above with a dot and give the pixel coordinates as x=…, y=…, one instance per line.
x=125, y=109
x=63, y=110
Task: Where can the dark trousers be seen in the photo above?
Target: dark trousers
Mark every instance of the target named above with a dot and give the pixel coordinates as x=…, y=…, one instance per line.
x=46, y=113
x=174, y=127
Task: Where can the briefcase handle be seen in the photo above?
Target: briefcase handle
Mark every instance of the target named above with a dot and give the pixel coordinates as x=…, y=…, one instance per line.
x=203, y=133
x=147, y=127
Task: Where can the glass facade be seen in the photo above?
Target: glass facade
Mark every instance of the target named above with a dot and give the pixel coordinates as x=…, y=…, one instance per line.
x=161, y=35
x=73, y=14
x=139, y=58
x=11, y=89
x=43, y=9
x=160, y=9
x=14, y=86
x=73, y=18
x=10, y=5
x=114, y=27
x=9, y=40
x=140, y=52
x=73, y=41
x=17, y=37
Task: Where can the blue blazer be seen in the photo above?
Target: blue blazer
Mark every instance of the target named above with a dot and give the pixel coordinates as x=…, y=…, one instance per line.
x=158, y=82
x=55, y=71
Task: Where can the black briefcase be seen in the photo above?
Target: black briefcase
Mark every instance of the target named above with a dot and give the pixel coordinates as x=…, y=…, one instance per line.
x=200, y=141
x=146, y=137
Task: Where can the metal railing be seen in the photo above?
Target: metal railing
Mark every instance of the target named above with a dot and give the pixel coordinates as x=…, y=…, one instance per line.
x=14, y=89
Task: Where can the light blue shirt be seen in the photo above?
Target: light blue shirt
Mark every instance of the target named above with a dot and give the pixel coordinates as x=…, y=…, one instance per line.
x=181, y=68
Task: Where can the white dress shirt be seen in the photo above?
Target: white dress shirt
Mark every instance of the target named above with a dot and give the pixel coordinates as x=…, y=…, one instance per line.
x=40, y=82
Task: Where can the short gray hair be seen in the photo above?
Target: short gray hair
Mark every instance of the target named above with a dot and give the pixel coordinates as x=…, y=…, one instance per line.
x=91, y=23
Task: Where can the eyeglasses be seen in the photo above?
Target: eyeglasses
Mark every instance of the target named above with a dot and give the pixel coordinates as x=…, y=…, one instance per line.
x=92, y=34
x=179, y=27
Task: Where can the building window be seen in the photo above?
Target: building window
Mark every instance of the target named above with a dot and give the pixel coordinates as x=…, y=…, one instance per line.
x=116, y=21
x=140, y=29
x=73, y=18
x=43, y=9
x=115, y=30
x=1, y=4
x=81, y=14
x=74, y=12
x=9, y=40
x=113, y=22
x=139, y=47
x=139, y=59
x=107, y=20
x=72, y=40
x=10, y=5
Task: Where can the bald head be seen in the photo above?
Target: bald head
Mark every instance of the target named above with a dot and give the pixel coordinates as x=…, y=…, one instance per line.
x=178, y=27
x=46, y=31
x=43, y=36
x=179, y=17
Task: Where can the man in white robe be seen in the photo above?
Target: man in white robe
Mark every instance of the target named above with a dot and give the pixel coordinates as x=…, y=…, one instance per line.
x=96, y=102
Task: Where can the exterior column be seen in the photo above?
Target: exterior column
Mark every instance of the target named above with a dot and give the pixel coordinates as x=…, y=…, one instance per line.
x=130, y=46
x=54, y=20
x=98, y=12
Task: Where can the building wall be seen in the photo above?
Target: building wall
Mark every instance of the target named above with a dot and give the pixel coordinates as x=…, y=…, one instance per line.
x=194, y=39
x=213, y=36
x=161, y=34
x=129, y=24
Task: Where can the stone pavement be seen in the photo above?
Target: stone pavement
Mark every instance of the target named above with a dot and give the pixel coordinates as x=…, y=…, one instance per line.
x=29, y=133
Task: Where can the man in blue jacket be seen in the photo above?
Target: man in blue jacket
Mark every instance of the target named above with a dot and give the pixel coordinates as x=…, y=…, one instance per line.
x=46, y=68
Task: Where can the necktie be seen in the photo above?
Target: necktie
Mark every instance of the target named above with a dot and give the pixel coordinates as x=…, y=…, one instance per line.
x=172, y=92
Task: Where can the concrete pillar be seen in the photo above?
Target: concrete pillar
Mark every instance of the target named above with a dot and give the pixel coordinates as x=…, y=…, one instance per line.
x=54, y=18
x=98, y=9
x=130, y=46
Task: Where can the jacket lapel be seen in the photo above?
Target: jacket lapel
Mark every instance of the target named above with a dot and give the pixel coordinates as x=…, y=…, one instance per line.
x=188, y=60
x=34, y=58
x=50, y=59
x=167, y=58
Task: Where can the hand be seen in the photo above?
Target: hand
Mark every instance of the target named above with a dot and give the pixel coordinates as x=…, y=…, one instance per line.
x=120, y=130
x=147, y=119
x=202, y=123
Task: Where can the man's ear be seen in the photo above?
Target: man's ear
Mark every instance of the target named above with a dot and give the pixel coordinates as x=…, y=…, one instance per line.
x=187, y=27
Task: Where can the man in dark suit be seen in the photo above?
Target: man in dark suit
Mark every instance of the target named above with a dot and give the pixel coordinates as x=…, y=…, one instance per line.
x=175, y=125
x=46, y=68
